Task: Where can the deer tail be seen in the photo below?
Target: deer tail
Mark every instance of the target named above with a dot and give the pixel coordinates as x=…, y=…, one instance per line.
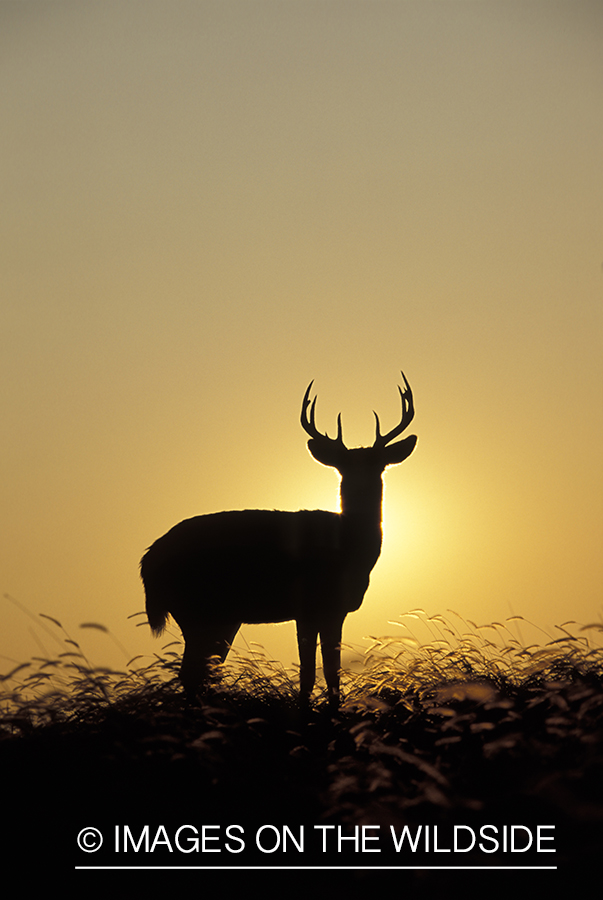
x=156, y=606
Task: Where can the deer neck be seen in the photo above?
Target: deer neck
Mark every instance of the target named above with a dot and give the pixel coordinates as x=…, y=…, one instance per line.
x=361, y=520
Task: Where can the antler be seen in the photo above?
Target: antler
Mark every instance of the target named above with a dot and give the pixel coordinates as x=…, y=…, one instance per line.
x=408, y=412
x=309, y=424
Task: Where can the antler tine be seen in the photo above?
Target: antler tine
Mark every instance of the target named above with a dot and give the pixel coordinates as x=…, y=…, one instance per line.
x=408, y=411
x=309, y=424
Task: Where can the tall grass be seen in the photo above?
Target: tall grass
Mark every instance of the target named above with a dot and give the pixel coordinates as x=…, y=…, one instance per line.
x=461, y=660
x=469, y=725
x=465, y=653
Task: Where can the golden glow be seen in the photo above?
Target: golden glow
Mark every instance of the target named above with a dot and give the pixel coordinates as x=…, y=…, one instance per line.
x=206, y=205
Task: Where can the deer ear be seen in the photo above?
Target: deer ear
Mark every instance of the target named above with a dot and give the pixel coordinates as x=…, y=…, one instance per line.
x=397, y=453
x=325, y=453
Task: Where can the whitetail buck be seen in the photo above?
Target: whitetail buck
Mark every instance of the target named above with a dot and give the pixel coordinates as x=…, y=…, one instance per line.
x=215, y=572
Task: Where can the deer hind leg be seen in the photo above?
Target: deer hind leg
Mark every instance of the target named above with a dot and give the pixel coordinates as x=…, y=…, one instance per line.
x=330, y=645
x=201, y=643
x=307, y=634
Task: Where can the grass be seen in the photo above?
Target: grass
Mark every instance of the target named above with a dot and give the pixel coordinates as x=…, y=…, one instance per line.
x=468, y=728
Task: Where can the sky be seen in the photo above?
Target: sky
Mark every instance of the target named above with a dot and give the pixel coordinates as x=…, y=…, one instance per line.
x=205, y=205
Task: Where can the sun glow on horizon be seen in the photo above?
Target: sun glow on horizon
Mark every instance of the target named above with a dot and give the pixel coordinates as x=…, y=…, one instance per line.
x=206, y=205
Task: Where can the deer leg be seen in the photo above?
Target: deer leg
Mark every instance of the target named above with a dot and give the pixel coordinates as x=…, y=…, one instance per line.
x=205, y=641
x=193, y=670
x=307, y=634
x=330, y=645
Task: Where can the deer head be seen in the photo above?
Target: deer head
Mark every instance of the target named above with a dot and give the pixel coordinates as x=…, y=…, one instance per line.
x=360, y=466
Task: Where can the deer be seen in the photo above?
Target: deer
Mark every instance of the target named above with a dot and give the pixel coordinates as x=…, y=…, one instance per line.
x=212, y=573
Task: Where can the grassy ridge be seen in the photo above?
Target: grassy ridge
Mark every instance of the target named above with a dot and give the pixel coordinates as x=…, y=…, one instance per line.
x=470, y=728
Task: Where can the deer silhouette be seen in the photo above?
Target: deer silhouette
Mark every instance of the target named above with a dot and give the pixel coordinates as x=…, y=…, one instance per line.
x=214, y=572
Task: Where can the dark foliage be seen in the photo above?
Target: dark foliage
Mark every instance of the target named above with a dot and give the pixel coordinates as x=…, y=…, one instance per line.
x=475, y=744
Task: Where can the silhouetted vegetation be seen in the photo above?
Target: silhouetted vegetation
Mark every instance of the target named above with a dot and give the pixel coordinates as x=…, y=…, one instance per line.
x=471, y=729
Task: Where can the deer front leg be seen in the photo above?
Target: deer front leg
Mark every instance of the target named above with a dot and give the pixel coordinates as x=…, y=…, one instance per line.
x=330, y=644
x=307, y=634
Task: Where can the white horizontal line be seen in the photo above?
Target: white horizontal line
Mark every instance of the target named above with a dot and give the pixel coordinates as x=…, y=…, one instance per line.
x=345, y=868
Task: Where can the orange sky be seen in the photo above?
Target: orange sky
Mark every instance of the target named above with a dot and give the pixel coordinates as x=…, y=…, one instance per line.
x=207, y=204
